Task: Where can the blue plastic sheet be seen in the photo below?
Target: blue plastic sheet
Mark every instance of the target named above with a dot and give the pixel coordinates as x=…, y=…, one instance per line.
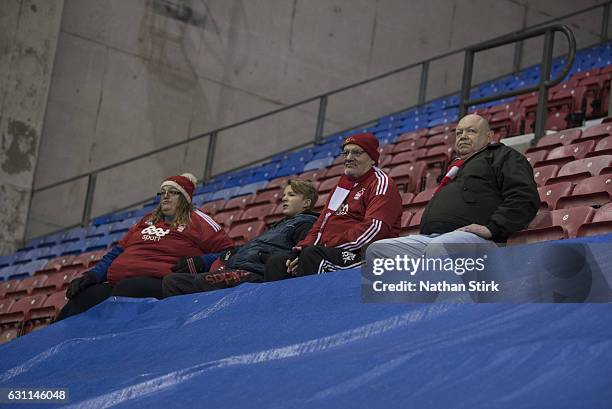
x=311, y=343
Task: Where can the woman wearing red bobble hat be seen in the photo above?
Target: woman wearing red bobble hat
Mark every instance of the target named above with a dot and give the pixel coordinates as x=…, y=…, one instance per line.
x=175, y=232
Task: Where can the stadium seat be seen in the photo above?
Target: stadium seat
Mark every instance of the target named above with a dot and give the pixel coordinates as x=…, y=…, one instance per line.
x=597, y=132
x=89, y=258
x=567, y=153
x=583, y=168
x=211, y=208
x=406, y=199
x=408, y=176
x=227, y=218
x=550, y=194
x=414, y=224
x=250, y=188
x=408, y=156
x=594, y=191
x=321, y=201
x=542, y=174
x=29, y=286
x=549, y=141
x=8, y=334
x=420, y=201
x=555, y=225
x=19, y=312
x=241, y=233
x=123, y=226
x=268, y=196
x=312, y=175
x=332, y=172
x=318, y=163
x=328, y=185
x=440, y=154
x=408, y=145
x=276, y=183
x=601, y=223
x=239, y=202
x=59, y=280
x=534, y=158
x=256, y=213
x=603, y=147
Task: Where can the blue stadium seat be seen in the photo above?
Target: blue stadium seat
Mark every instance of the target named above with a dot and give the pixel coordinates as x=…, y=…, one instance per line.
x=290, y=170
x=318, y=163
x=74, y=234
x=7, y=260
x=123, y=226
x=250, y=188
x=8, y=271
x=225, y=193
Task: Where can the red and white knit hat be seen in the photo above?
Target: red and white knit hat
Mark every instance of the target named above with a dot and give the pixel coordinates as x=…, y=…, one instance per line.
x=366, y=141
x=184, y=183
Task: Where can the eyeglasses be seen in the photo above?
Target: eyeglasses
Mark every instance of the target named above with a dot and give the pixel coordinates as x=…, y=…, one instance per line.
x=353, y=152
x=169, y=192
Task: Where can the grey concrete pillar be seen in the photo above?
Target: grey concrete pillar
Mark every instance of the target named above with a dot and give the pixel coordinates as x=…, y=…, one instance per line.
x=29, y=30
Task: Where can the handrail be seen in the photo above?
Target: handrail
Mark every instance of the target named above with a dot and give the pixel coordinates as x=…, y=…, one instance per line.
x=322, y=98
x=544, y=82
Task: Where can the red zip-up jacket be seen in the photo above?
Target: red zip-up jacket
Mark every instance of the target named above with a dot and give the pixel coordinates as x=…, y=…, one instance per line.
x=371, y=211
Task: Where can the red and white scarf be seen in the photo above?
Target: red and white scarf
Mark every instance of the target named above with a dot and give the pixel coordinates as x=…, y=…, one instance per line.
x=451, y=173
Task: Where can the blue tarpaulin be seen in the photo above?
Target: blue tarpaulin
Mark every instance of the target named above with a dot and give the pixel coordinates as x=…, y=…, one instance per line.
x=311, y=343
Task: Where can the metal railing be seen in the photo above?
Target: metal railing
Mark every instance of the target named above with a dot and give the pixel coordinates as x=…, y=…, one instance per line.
x=322, y=99
x=545, y=68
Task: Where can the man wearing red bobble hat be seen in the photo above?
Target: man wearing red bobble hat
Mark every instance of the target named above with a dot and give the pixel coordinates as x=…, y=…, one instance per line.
x=174, y=233
x=364, y=207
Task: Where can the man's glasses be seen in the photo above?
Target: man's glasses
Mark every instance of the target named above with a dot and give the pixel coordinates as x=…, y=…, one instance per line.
x=353, y=152
x=169, y=192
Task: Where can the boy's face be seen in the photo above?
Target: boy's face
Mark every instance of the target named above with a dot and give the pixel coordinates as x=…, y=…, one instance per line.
x=293, y=203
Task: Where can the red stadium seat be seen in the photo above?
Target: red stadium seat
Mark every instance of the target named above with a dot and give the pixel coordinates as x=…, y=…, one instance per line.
x=565, y=154
x=328, y=185
x=583, y=168
x=61, y=279
x=257, y=212
x=407, y=199
x=547, y=142
x=409, y=145
x=6, y=304
x=227, y=218
x=211, y=208
x=438, y=154
x=443, y=139
x=244, y=232
x=442, y=130
x=541, y=174
x=20, y=310
x=603, y=147
x=276, y=215
x=8, y=334
x=414, y=226
x=49, y=309
x=597, y=132
x=89, y=258
x=386, y=149
x=408, y=156
x=507, y=122
x=555, y=225
x=239, y=202
x=321, y=201
x=31, y=285
x=406, y=216
x=408, y=176
x=57, y=263
x=601, y=223
x=420, y=201
x=550, y=194
x=593, y=191
x=276, y=183
x=8, y=287
x=413, y=135
x=269, y=196
x=536, y=157
x=312, y=175
x=333, y=171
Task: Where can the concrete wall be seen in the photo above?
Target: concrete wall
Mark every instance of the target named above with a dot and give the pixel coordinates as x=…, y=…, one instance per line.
x=28, y=38
x=128, y=79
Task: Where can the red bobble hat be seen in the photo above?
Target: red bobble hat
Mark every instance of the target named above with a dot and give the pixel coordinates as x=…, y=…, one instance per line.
x=184, y=183
x=367, y=142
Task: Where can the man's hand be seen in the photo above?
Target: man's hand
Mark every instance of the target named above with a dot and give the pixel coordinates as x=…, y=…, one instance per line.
x=478, y=230
x=292, y=266
x=80, y=283
x=189, y=265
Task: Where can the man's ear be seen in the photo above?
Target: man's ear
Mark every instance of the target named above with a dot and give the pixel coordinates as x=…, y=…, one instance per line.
x=307, y=203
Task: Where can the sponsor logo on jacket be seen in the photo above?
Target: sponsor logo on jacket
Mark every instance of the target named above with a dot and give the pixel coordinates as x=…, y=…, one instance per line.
x=153, y=233
x=342, y=210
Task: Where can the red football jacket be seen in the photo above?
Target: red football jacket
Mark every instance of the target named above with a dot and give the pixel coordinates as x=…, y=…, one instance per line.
x=371, y=211
x=152, y=250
